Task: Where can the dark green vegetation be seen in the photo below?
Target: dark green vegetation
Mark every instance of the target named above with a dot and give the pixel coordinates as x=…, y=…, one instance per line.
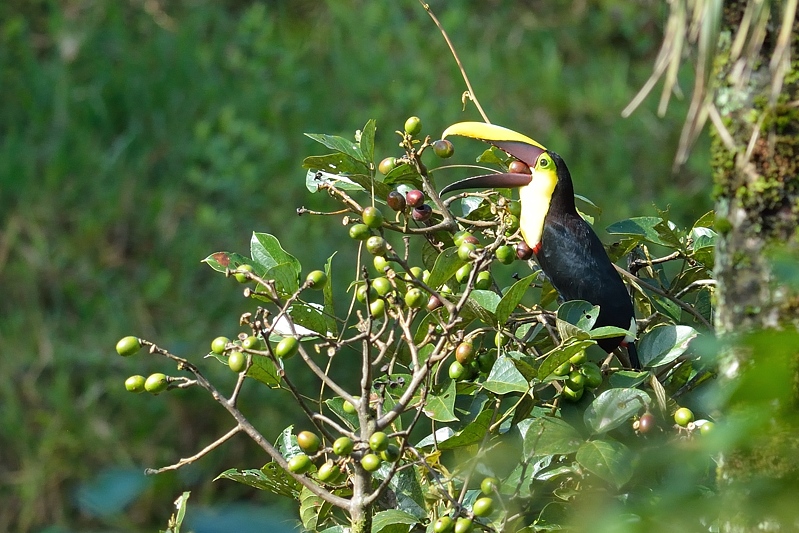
x=134, y=142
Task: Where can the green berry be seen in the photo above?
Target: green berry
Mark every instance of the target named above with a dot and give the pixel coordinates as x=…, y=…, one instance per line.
x=571, y=394
x=483, y=280
x=287, y=347
x=592, y=373
x=576, y=380
x=378, y=441
x=707, y=428
x=300, y=463
x=377, y=308
x=512, y=223
x=349, y=408
x=240, y=276
x=515, y=208
x=360, y=232
x=506, y=255
x=459, y=236
x=579, y=358
x=308, y=441
x=443, y=525
x=376, y=245
x=413, y=125
x=372, y=217
x=414, y=298
x=415, y=273
x=683, y=416
x=317, y=280
x=380, y=263
x=135, y=383
x=489, y=486
x=483, y=506
x=156, y=383
x=218, y=345
x=563, y=369
x=382, y=286
x=443, y=148
x=390, y=454
x=462, y=274
x=343, y=446
x=370, y=462
x=486, y=360
x=328, y=472
x=387, y=165
x=237, y=361
x=500, y=339
x=361, y=292
x=463, y=525
x=251, y=343
x=457, y=371
x=128, y=346
x=465, y=251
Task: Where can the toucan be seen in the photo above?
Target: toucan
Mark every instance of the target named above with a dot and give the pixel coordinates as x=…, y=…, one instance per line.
x=565, y=246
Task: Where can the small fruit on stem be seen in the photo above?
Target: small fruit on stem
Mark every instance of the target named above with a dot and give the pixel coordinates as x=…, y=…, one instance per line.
x=370, y=462
x=237, y=361
x=308, y=441
x=240, y=276
x=396, y=201
x=414, y=198
x=299, y=464
x=387, y=165
x=128, y=346
x=156, y=383
x=443, y=148
x=218, y=345
x=422, y=213
x=360, y=232
x=372, y=217
x=343, y=446
x=135, y=383
x=287, y=347
x=317, y=280
x=413, y=125
x=683, y=416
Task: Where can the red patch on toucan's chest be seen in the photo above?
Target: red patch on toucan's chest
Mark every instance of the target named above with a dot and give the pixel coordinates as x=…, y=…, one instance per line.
x=537, y=248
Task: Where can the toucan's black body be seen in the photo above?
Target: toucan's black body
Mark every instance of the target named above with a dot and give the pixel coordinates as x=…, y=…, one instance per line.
x=566, y=247
x=575, y=261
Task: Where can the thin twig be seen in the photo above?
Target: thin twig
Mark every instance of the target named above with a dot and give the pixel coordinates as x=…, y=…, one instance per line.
x=188, y=460
x=471, y=95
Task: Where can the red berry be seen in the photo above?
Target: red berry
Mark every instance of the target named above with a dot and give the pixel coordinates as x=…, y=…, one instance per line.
x=414, y=197
x=422, y=213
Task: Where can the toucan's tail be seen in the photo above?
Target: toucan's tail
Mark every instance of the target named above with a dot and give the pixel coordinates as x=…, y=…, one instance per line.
x=632, y=353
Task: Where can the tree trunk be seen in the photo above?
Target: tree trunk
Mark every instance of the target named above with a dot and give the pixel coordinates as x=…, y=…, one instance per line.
x=757, y=209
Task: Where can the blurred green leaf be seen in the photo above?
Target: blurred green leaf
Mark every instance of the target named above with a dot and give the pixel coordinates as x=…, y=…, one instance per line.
x=663, y=344
x=367, y=141
x=265, y=371
x=608, y=459
x=392, y=521
x=340, y=144
x=550, y=436
x=447, y=263
x=473, y=433
x=512, y=297
x=403, y=173
x=441, y=405
x=220, y=261
x=579, y=313
x=613, y=408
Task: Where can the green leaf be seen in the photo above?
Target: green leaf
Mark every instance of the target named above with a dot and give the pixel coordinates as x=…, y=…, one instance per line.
x=505, y=377
x=314, y=178
x=579, y=313
x=650, y=229
x=340, y=144
x=627, y=379
x=267, y=253
x=333, y=166
x=560, y=354
x=663, y=344
x=447, y=263
x=488, y=300
x=550, y=436
x=337, y=406
x=368, y=183
x=471, y=434
x=613, y=408
x=271, y=478
x=608, y=332
x=403, y=173
x=441, y=406
x=367, y=142
x=708, y=220
x=392, y=521
x=489, y=156
x=313, y=509
x=327, y=293
x=221, y=261
x=287, y=443
x=607, y=459
x=512, y=297
x=265, y=371
x=309, y=317
x=285, y=278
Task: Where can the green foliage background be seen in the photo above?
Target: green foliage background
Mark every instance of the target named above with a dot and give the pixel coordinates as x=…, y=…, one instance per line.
x=138, y=137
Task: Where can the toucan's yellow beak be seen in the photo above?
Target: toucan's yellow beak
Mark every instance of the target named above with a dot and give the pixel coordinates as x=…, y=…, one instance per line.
x=514, y=143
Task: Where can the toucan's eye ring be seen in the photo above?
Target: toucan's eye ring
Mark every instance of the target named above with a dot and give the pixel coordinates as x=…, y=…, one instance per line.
x=543, y=162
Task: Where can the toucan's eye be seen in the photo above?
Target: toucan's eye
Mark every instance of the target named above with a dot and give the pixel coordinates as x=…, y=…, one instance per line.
x=543, y=162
